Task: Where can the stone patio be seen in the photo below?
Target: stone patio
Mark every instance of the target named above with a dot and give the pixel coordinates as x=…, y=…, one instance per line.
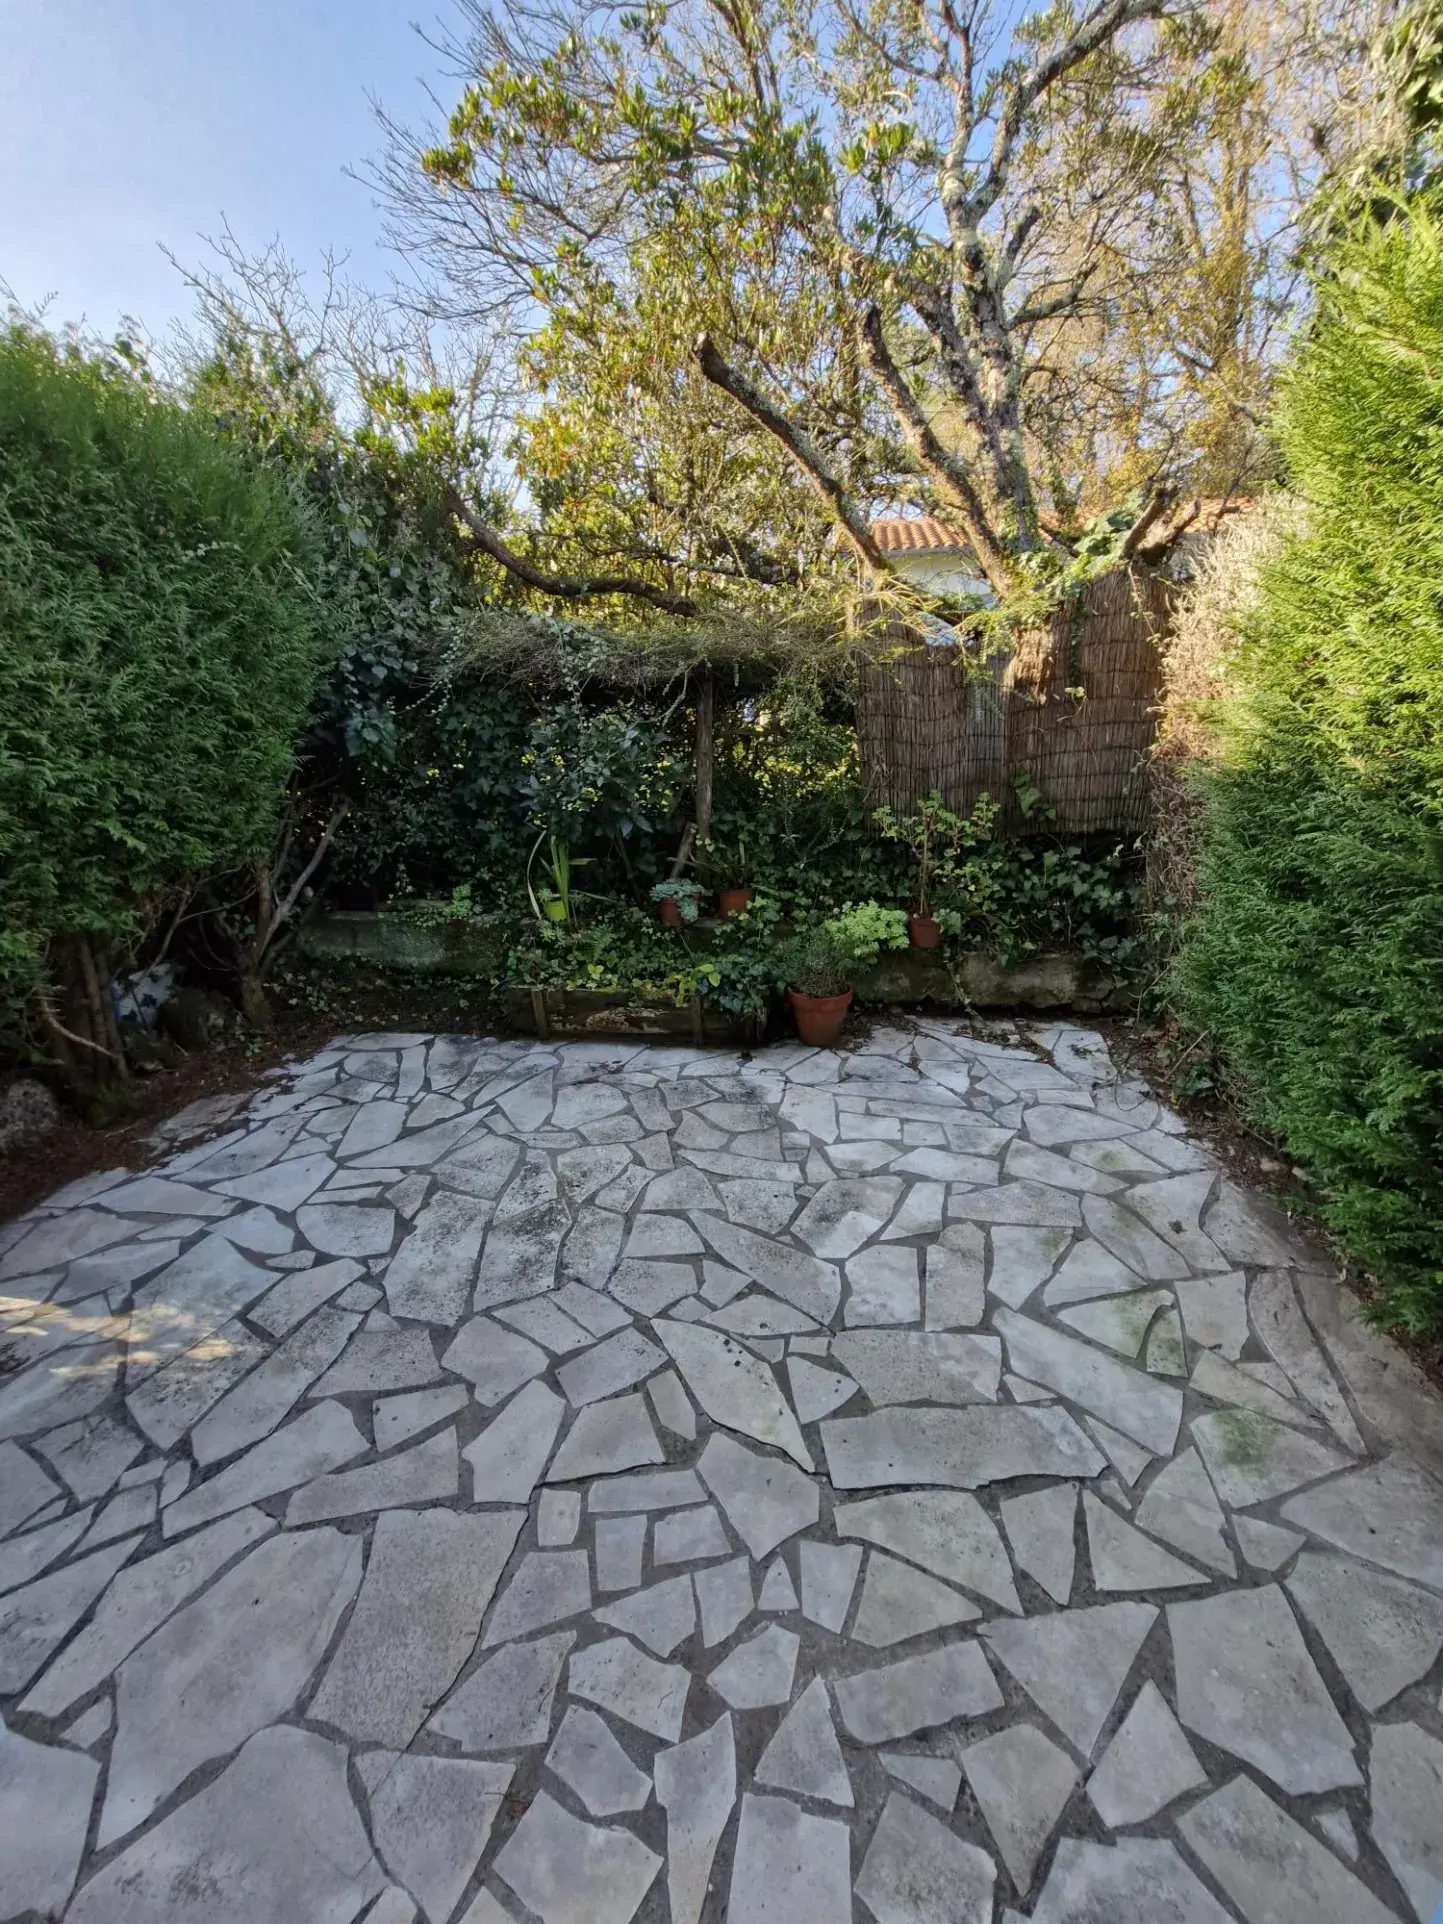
x=591, y=1483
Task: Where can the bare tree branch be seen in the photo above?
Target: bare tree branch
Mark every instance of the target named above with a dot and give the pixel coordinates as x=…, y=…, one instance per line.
x=799, y=445
x=565, y=587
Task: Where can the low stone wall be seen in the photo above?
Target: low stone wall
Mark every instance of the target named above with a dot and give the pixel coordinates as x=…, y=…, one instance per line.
x=910, y=976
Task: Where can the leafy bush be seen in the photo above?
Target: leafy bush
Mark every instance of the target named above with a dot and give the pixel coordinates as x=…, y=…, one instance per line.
x=1316, y=961
x=160, y=634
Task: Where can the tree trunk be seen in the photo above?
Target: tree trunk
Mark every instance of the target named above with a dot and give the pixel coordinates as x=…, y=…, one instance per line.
x=705, y=752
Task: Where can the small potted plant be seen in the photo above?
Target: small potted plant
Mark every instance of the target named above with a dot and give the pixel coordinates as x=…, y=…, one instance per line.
x=822, y=963
x=726, y=862
x=931, y=832
x=678, y=902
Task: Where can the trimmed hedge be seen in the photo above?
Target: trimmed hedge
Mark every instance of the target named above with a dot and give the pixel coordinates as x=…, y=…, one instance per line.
x=1316, y=962
x=160, y=635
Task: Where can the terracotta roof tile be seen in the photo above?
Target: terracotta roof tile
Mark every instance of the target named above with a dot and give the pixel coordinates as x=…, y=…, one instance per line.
x=921, y=534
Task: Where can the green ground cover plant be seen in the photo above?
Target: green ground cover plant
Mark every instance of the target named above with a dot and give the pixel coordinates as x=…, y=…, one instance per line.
x=1316, y=961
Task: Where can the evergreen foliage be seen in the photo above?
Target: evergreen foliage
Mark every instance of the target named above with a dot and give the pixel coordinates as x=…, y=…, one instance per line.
x=1316, y=961
x=161, y=629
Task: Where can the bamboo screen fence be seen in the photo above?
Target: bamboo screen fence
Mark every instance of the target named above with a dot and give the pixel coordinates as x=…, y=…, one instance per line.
x=1073, y=708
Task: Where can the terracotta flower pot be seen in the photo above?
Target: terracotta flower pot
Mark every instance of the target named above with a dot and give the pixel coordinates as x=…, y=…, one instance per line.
x=924, y=932
x=733, y=901
x=819, y=1017
x=670, y=911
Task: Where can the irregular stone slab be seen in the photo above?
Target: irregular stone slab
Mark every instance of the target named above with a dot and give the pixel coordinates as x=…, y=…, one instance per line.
x=1272, y=1869
x=919, y=1213
x=505, y=1704
x=1180, y=1508
x=292, y=1300
x=724, y=1597
x=884, y=1286
x=45, y=1799
x=660, y=1234
x=547, y=1324
x=899, y=1602
x=689, y=1536
x=961, y=1448
x=816, y=1392
x=430, y=1577
x=64, y=1388
x=764, y=1206
x=955, y=1294
x=844, y=1214
x=1089, y=1272
x=261, y=1401
x=1073, y=1663
x=1022, y=1258
x=696, y=1784
x=1245, y=1681
x=1120, y=1323
x=1261, y=1386
x=758, y=1672
x=1264, y=1545
x=1146, y=1767
x=620, y=1547
x=1124, y=1559
x=284, y=1186
x=1390, y=1514
x=734, y=1387
x=947, y=1532
x=916, y=1693
x=1252, y=1459
x=1391, y=1393
x=622, y=1360
x=1214, y=1311
x=934, y=1778
x=1406, y=1773
x=510, y=1455
x=921, y=1366
x=804, y=1755
x=917, y=1871
x=1031, y=1205
x=672, y=1405
x=592, y=1764
x=648, y=1490
x=136, y=1604
x=790, y=1868
x=1147, y=1411
x=429, y=1471
x=1382, y=1633
x=618, y=1677
x=1123, y=1454
x=558, y=1518
x=829, y=1572
x=1125, y=1236
x=765, y=1501
x=432, y=1818
x=1138, y=1881
x=1022, y=1784
x=169, y=1401
x=277, y=1831
x=225, y=1666
x=520, y=1257
x=430, y=1277
x=647, y=1288
x=90, y=1455
x=778, y=1591
x=546, y=1587
x=481, y=1167
x=494, y=1359
x=64, y=1239
x=660, y=1616
x=808, y=1284
x=347, y=1229
x=23, y=1559
x=394, y=1419
x=681, y=1189
x=1284, y=1332
x=36, y=1619
x=760, y=1315
x=607, y=1437
x=188, y=1301
x=590, y=1252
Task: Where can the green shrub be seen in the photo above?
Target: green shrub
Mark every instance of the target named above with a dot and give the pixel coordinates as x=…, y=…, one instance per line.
x=1316, y=961
x=160, y=635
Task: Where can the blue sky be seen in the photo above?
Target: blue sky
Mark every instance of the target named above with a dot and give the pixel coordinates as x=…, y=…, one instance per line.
x=128, y=123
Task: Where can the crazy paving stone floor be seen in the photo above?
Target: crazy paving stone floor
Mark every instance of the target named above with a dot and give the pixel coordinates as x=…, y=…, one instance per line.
x=593, y=1483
